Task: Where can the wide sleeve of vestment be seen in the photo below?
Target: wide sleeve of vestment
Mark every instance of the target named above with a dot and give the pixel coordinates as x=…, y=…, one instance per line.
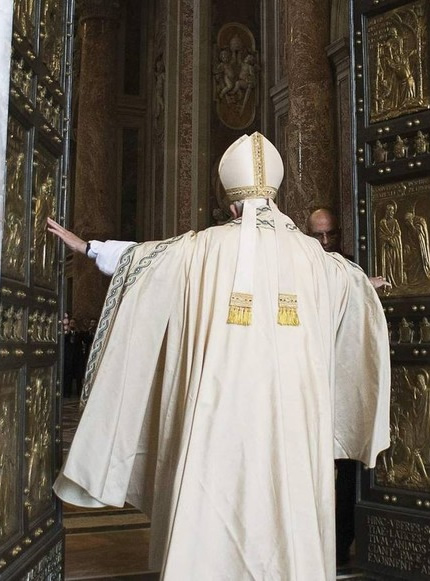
x=125, y=356
x=362, y=367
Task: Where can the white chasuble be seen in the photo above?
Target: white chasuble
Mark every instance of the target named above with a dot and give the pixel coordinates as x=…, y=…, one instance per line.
x=225, y=434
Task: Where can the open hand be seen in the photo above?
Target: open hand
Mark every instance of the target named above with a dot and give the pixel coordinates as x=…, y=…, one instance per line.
x=379, y=281
x=70, y=240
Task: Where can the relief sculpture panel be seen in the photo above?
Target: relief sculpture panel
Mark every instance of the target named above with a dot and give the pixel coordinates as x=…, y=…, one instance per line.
x=236, y=75
x=12, y=323
x=14, y=236
x=39, y=440
x=42, y=327
x=44, y=205
x=406, y=464
x=401, y=214
x=51, y=24
x=24, y=13
x=399, y=61
x=9, y=452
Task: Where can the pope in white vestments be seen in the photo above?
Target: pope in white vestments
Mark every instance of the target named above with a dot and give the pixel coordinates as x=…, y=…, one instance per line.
x=230, y=367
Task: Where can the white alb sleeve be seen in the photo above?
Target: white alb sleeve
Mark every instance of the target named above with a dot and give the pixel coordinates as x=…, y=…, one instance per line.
x=107, y=254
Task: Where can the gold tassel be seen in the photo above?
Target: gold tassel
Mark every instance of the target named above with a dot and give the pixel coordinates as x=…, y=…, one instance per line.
x=240, y=310
x=287, y=310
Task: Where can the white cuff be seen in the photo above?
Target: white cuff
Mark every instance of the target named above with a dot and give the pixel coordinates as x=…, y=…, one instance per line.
x=107, y=254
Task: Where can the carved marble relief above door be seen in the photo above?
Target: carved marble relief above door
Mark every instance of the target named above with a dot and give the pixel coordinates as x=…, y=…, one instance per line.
x=31, y=536
x=391, y=68
x=236, y=76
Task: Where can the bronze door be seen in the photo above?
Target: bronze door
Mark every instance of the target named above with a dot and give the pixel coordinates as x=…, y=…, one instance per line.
x=391, y=96
x=31, y=537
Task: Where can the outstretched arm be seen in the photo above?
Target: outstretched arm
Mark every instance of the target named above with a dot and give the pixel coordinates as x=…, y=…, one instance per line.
x=106, y=254
x=71, y=240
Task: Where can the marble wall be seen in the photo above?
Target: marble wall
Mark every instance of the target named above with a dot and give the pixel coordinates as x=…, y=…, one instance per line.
x=6, y=14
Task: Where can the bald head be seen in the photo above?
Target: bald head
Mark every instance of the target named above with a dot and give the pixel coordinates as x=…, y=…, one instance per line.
x=323, y=225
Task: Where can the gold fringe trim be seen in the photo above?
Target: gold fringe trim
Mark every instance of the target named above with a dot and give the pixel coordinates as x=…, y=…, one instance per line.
x=240, y=310
x=287, y=310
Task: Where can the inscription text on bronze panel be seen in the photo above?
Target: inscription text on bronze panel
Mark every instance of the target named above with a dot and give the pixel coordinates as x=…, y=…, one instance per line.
x=396, y=545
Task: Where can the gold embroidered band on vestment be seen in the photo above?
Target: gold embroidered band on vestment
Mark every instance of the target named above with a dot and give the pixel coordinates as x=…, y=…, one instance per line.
x=240, y=309
x=287, y=310
x=248, y=192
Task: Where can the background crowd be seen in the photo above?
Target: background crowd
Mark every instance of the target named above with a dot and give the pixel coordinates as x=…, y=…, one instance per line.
x=77, y=345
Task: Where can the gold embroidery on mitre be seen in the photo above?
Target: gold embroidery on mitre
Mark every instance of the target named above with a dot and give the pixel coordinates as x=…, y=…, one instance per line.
x=258, y=160
x=248, y=192
x=240, y=309
x=287, y=310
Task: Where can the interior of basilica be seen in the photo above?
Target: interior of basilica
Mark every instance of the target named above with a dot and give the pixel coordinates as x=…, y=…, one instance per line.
x=114, y=115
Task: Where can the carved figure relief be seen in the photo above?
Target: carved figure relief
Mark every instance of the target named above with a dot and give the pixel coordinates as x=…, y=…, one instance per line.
x=390, y=241
x=51, y=23
x=398, y=61
x=24, y=12
x=421, y=143
x=39, y=440
x=14, y=235
x=401, y=213
x=424, y=330
x=46, y=107
x=406, y=463
x=380, y=153
x=9, y=515
x=42, y=327
x=406, y=331
x=12, y=323
x=409, y=330
x=417, y=249
x=236, y=76
x=21, y=76
x=44, y=199
x=400, y=148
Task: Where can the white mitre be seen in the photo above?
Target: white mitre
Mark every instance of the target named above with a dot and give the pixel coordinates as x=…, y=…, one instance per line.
x=251, y=168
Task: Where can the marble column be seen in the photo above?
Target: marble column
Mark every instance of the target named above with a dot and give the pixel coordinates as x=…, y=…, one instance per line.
x=95, y=205
x=6, y=14
x=310, y=153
